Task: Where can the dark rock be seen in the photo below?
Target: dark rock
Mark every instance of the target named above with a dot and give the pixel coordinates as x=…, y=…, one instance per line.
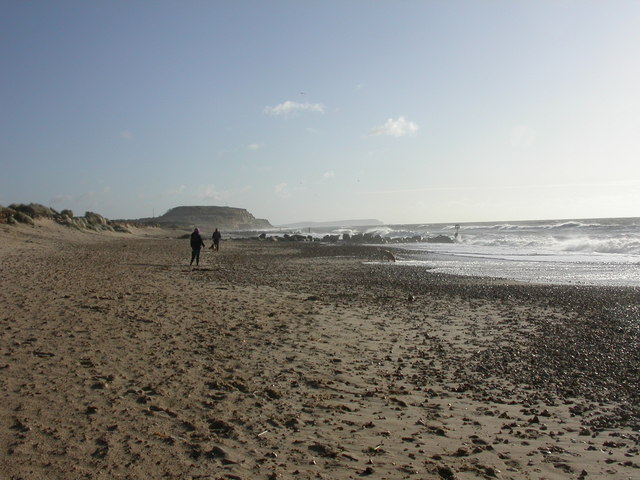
x=440, y=239
x=446, y=473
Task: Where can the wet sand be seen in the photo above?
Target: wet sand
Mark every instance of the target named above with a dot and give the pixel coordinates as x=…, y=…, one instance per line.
x=301, y=361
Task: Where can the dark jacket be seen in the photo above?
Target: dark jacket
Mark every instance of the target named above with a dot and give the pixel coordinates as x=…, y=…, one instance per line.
x=196, y=241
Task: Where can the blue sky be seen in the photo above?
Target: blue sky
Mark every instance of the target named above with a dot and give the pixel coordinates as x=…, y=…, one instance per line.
x=403, y=111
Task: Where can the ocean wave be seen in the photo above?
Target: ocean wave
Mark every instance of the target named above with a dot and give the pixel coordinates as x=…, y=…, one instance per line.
x=383, y=231
x=597, y=236
x=595, y=251
x=623, y=245
x=539, y=225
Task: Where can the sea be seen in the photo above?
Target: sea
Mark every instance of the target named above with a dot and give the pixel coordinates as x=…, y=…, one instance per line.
x=604, y=251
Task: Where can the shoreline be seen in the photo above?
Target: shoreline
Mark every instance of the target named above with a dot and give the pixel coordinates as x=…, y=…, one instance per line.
x=305, y=361
x=553, y=252
x=562, y=273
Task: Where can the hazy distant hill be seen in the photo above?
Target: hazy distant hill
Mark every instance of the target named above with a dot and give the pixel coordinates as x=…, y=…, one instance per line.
x=208, y=218
x=336, y=223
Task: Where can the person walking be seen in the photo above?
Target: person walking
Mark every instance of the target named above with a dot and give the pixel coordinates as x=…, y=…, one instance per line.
x=216, y=240
x=196, y=245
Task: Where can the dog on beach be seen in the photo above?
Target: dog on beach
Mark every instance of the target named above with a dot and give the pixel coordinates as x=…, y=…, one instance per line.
x=387, y=255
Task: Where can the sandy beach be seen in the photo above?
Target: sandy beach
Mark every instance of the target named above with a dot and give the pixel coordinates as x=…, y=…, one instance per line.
x=276, y=360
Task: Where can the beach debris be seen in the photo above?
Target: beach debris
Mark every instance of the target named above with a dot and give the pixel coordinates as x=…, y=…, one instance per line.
x=436, y=430
x=20, y=426
x=221, y=454
x=315, y=383
x=446, y=472
x=461, y=452
x=350, y=457
x=41, y=354
x=489, y=471
x=410, y=469
x=377, y=450
x=563, y=466
x=323, y=450
x=102, y=448
x=273, y=394
x=399, y=402
x=293, y=423
x=477, y=440
x=221, y=428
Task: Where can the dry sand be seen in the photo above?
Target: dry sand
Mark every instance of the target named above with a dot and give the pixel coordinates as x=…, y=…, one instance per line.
x=301, y=361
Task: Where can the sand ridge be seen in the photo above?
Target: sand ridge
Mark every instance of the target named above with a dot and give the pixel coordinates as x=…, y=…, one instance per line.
x=294, y=361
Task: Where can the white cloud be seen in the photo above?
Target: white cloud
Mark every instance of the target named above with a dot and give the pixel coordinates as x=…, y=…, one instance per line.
x=289, y=107
x=255, y=146
x=282, y=190
x=396, y=128
x=177, y=190
x=89, y=199
x=329, y=174
x=126, y=134
x=209, y=193
x=518, y=187
x=85, y=196
x=61, y=199
x=81, y=197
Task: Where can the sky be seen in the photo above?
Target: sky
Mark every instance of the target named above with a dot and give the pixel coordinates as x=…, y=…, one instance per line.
x=396, y=110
